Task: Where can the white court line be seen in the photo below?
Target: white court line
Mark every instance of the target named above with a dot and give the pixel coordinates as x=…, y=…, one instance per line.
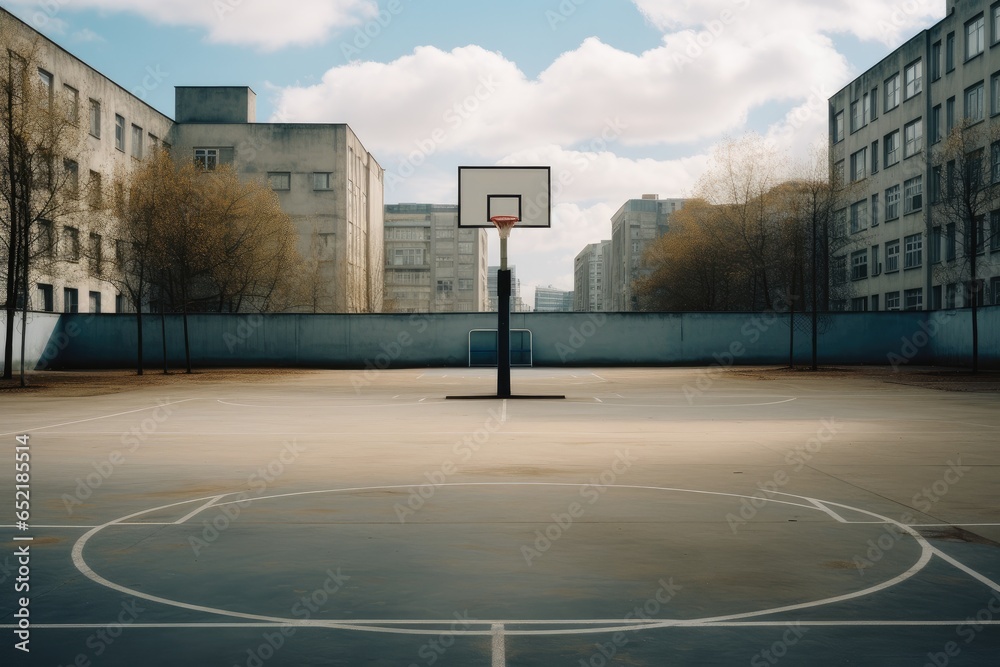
x=827, y=510
x=499, y=650
x=211, y=502
x=598, y=400
x=680, y=624
x=968, y=570
x=90, y=419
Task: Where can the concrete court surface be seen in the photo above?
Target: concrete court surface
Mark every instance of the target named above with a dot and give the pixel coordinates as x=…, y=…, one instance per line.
x=653, y=517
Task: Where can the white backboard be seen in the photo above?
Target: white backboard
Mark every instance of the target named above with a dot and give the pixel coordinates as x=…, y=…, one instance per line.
x=525, y=192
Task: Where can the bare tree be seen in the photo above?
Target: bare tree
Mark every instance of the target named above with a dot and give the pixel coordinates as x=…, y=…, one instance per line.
x=40, y=139
x=967, y=169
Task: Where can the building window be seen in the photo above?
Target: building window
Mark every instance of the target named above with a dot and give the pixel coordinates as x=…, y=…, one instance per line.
x=859, y=162
x=995, y=94
x=71, y=300
x=839, y=270
x=859, y=265
x=465, y=284
x=95, y=118
x=280, y=180
x=859, y=216
x=914, y=299
x=95, y=302
x=936, y=56
x=892, y=92
x=838, y=173
x=950, y=242
x=867, y=112
x=96, y=254
x=874, y=210
x=46, y=80
x=72, y=103
x=838, y=127
x=913, y=79
x=137, y=142
x=995, y=233
x=892, y=203
x=840, y=223
x=892, y=256
x=936, y=128
x=445, y=287
x=949, y=114
x=46, y=239
x=935, y=184
x=72, y=170
x=876, y=267
x=913, y=194
x=95, y=192
x=914, y=249
x=408, y=257
x=71, y=244
x=975, y=110
x=934, y=249
x=855, y=116
x=119, y=133
x=891, y=143
x=875, y=303
x=995, y=285
x=444, y=233
x=913, y=137
x=321, y=180
x=892, y=301
x=859, y=304
x=207, y=158
x=975, y=37
x=949, y=52
x=45, y=300
x=875, y=157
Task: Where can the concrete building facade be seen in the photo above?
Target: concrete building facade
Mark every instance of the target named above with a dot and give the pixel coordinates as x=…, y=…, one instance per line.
x=432, y=266
x=899, y=249
x=552, y=300
x=325, y=179
x=517, y=304
x=633, y=228
x=589, y=278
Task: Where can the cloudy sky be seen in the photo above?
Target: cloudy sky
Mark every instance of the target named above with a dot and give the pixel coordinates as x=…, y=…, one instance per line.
x=627, y=96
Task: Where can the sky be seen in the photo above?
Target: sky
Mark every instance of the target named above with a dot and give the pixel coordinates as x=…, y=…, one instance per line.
x=620, y=97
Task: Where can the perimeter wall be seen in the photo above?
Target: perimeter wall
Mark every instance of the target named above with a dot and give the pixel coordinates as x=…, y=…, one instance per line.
x=84, y=341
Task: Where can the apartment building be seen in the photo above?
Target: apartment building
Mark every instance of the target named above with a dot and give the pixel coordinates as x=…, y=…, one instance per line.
x=589, y=278
x=432, y=266
x=897, y=248
x=326, y=181
x=633, y=228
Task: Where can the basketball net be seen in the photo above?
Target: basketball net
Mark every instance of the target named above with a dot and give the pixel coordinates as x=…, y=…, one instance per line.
x=504, y=223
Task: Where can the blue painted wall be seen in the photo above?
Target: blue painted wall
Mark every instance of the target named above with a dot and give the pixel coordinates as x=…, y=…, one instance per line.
x=82, y=341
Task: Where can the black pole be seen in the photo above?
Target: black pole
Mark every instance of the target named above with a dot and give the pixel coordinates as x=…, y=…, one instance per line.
x=503, y=334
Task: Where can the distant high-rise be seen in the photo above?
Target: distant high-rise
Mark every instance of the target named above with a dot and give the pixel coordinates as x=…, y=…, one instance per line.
x=633, y=228
x=589, y=278
x=431, y=265
x=552, y=300
x=517, y=304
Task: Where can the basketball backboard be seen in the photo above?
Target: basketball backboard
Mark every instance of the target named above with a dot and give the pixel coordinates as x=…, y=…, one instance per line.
x=486, y=192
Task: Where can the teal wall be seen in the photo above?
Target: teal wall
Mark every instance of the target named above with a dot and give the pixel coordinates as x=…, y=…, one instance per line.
x=82, y=341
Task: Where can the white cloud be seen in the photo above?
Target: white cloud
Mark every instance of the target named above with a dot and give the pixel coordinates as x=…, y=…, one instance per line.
x=87, y=35
x=262, y=23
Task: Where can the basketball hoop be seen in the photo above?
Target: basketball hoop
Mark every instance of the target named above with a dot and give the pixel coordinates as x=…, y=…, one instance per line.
x=504, y=223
